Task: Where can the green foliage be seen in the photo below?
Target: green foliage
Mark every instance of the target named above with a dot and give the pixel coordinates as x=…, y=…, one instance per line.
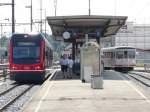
x=140, y=65
x=4, y=42
x=58, y=46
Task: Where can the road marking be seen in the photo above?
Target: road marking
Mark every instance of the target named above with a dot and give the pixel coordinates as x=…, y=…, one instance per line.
x=46, y=93
x=133, y=87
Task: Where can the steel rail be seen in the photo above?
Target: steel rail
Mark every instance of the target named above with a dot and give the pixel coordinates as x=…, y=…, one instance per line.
x=5, y=106
x=6, y=91
x=139, y=80
x=140, y=75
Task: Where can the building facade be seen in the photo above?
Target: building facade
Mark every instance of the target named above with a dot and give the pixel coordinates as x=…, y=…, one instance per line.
x=130, y=34
x=134, y=35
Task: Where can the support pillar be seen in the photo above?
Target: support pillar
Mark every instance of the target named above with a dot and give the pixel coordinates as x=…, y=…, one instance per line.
x=13, y=16
x=73, y=50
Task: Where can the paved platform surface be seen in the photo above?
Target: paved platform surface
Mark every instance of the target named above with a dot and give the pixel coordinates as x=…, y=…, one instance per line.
x=142, y=69
x=70, y=95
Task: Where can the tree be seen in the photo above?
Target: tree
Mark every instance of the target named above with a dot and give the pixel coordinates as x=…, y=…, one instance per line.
x=4, y=42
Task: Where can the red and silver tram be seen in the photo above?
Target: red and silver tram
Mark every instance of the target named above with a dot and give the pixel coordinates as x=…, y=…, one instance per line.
x=30, y=55
x=120, y=58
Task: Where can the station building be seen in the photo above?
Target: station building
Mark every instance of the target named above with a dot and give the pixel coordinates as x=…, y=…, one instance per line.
x=130, y=34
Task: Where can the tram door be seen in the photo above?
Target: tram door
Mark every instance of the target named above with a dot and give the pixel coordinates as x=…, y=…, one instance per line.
x=120, y=58
x=130, y=57
x=123, y=58
x=112, y=59
x=126, y=58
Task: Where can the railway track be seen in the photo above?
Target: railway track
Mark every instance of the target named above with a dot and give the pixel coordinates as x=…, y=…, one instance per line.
x=1, y=74
x=6, y=91
x=140, y=77
x=2, y=77
x=16, y=96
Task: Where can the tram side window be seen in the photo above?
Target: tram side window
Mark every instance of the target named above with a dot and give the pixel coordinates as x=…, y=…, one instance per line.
x=112, y=54
x=105, y=54
x=125, y=54
x=119, y=54
x=108, y=55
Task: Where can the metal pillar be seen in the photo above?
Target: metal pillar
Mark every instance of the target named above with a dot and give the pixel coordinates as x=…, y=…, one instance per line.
x=55, y=6
x=89, y=7
x=45, y=22
x=1, y=30
x=41, y=16
x=13, y=16
x=31, y=16
x=31, y=20
x=1, y=42
x=73, y=49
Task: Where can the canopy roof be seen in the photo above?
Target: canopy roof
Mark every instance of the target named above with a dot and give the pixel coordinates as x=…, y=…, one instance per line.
x=80, y=25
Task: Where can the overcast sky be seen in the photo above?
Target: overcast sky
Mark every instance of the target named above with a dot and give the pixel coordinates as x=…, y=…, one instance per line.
x=136, y=10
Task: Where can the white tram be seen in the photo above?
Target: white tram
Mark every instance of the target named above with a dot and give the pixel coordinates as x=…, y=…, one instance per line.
x=120, y=58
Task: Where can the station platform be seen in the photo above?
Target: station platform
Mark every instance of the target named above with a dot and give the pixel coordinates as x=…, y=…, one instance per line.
x=71, y=95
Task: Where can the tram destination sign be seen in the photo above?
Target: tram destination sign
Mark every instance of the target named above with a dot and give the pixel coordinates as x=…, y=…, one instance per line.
x=26, y=44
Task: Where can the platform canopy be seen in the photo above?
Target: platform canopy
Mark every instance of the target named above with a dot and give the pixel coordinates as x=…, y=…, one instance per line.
x=77, y=26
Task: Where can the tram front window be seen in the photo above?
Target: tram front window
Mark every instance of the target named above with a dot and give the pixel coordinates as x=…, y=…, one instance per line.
x=26, y=55
x=131, y=54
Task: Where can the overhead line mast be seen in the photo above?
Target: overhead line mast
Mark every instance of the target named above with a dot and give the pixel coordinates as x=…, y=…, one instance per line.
x=89, y=7
x=41, y=16
x=13, y=16
x=55, y=6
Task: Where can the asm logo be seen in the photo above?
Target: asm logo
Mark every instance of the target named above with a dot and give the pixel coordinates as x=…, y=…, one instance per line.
x=26, y=68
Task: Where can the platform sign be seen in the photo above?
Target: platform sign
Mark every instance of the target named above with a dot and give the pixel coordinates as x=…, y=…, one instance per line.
x=80, y=40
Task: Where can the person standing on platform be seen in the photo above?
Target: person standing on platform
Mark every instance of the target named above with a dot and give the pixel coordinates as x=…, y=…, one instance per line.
x=65, y=66
x=61, y=62
x=70, y=65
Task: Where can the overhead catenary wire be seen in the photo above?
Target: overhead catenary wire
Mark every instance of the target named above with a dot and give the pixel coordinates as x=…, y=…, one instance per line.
x=132, y=7
x=115, y=7
x=138, y=14
x=35, y=27
x=143, y=8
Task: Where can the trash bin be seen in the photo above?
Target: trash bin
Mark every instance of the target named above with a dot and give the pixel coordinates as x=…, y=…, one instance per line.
x=96, y=82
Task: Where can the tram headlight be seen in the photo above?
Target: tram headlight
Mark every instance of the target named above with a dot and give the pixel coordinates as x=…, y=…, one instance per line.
x=14, y=68
x=37, y=67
